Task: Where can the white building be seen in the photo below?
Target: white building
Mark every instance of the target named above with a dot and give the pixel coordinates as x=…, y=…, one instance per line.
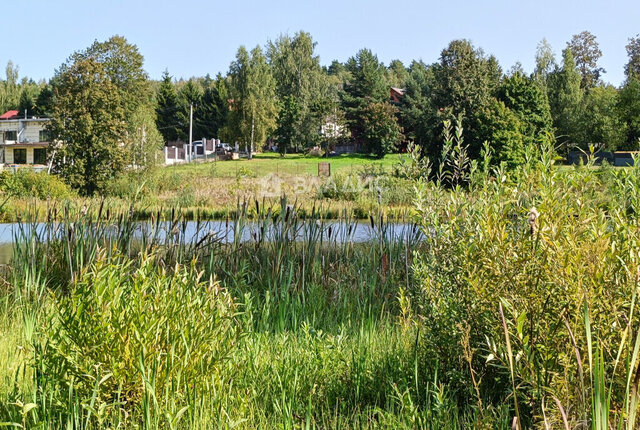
x=23, y=141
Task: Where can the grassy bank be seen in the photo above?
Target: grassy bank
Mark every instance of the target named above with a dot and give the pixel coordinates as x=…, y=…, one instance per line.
x=212, y=190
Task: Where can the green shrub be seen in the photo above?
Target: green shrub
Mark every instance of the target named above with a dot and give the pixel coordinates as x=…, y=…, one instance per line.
x=510, y=268
x=27, y=183
x=342, y=187
x=123, y=336
x=245, y=172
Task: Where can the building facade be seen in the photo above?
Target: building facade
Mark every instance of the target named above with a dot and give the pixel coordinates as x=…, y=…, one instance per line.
x=23, y=140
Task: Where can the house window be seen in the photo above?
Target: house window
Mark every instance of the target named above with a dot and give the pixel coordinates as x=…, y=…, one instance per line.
x=39, y=156
x=45, y=136
x=11, y=135
x=20, y=156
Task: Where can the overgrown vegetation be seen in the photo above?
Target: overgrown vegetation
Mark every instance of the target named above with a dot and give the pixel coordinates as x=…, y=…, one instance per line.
x=515, y=307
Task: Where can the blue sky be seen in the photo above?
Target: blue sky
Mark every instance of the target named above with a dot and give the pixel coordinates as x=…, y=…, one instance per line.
x=196, y=37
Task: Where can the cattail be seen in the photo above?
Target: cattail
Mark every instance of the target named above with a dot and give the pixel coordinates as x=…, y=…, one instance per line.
x=533, y=220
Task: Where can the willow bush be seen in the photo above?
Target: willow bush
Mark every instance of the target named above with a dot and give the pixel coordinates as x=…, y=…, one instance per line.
x=529, y=277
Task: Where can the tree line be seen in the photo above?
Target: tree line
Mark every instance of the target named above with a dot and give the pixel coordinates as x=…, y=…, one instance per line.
x=280, y=93
x=109, y=115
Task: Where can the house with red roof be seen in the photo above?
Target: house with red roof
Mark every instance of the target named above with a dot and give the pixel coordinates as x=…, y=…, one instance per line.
x=23, y=140
x=396, y=95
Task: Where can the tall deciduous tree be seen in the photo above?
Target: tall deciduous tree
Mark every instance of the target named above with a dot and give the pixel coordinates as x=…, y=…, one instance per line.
x=586, y=54
x=545, y=64
x=600, y=122
x=88, y=123
x=252, y=88
x=123, y=64
x=632, y=68
x=466, y=80
x=629, y=97
x=565, y=99
x=9, y=88
x=381, y=132
x=299, y=79
x=524, y=98
x=629, y=108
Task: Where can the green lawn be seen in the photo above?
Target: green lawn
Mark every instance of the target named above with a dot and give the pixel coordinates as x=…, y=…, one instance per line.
x=293, y=164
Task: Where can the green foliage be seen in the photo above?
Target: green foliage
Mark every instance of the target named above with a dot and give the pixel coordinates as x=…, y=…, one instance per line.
x=287, y=132
x=600, y=123
x=122, y=335
x=502, y=129
x=381, y=132
x=189, y=94
x=366, y=84
x=9, y=89
x=89, y=120
x=455, y=165
x=414, y=165
x=545, y=65
x=245, y=172
x=524, y=98
x=252, y=89
x=586, y=54
x=565, y=99
x=417, y=112
x=211, y=115
x=167, y=107
x=511, y=265
x=632, y=67
x=300, y=82
x=465, y=82
x=102, y=115
x=629, y=108
x=397, y=74
x=123, y=64
x=27, y=183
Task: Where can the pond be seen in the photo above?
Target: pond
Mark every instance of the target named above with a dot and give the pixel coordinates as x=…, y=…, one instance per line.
x=226, y=232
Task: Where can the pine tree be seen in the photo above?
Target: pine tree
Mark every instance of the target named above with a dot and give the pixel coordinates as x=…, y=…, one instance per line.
x=367, y=84
x=214, y=107
x=167, y=109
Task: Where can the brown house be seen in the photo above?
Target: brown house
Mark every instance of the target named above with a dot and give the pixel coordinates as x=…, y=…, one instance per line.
x=396, y=95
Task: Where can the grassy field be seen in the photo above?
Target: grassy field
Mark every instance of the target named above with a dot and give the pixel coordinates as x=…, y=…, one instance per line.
x=292, y=165
x=213, y=190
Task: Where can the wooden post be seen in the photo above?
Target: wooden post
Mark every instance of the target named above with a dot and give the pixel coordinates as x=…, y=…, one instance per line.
x=324, y=169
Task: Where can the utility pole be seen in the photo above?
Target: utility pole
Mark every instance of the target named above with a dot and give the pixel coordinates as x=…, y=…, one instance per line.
x=190, y=147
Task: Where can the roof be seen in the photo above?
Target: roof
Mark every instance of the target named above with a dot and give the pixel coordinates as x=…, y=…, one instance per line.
x=9, y=114
x=398, y=90
x=25, y=144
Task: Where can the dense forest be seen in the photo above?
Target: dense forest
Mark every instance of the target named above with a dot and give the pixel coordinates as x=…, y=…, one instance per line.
x=281, y=93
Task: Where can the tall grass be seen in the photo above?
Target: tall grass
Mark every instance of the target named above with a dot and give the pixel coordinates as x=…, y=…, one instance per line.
x=120, y=334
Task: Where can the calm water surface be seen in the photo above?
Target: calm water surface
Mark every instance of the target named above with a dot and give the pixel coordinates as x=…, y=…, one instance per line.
x=225, y=232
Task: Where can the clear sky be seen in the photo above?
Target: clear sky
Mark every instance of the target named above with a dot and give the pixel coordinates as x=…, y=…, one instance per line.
x=196, y=37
